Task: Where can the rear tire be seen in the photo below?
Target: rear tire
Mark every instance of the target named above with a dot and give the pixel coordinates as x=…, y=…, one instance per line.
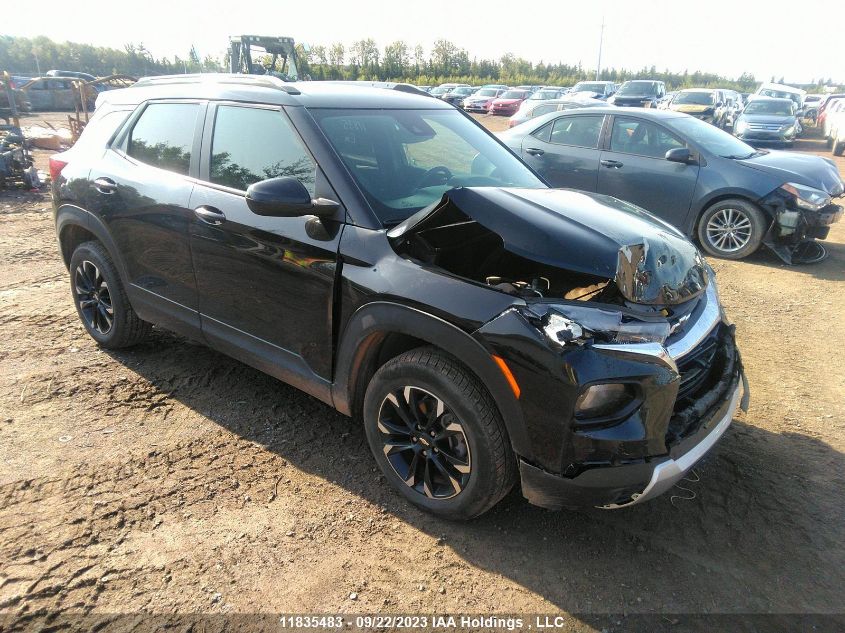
x=731, y=229
x=437, y=435
x=100, y=299
x=838, y=148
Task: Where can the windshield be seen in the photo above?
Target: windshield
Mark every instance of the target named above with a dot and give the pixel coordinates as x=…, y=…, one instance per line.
x=780, y=94
x=439, y=90
x=778, y=108
x=514, y=94
x=695, y=98
x=711, y=138
x=638, y=89
x=462, y=91
x=541, y=95
x=403, y=160
x=586, y=86
x=486, y=92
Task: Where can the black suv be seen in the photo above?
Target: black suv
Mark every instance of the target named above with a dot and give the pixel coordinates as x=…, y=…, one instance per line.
x=384, y=253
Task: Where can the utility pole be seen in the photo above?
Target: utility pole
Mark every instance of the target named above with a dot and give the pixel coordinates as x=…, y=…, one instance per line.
x=37, y=64
x=601, y=41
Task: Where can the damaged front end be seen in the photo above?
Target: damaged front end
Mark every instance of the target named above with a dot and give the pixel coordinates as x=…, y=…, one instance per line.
x=801, y=215
x=627, y=369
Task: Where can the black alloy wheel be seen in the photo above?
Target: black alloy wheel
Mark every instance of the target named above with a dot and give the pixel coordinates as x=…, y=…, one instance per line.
x=436, y=434
x=100, y=298
x=94, y=297
x=424, y=442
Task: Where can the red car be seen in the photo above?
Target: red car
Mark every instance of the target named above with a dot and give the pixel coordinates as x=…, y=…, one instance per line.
x=509, y=102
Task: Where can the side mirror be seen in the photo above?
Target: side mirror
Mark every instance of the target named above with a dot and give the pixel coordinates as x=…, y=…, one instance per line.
x=286, y=197
x=679, y=155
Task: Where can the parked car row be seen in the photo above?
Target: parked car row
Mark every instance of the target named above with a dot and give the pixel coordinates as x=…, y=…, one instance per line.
x=711, y=185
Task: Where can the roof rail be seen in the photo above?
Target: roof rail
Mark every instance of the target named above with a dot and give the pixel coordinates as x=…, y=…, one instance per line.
x=264, y=81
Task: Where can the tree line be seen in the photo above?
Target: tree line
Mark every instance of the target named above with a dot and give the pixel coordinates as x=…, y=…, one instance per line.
x=362, y=60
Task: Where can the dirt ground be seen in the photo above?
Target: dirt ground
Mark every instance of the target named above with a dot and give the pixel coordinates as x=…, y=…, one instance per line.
x=170, y=479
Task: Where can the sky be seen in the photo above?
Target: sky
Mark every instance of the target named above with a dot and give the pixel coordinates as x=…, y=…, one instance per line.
x=798, y=41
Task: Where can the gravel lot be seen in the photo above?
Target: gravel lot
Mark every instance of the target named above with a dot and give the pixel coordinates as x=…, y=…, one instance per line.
x=171, y=479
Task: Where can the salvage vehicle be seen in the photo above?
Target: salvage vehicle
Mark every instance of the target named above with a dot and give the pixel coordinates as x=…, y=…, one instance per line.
x=708, y=105
x=508, y=102
x=456, y=96
x=827, y=104
x=691, y=174
x=639, y=93
x=383, y=252
x=811, y=107
x=781, y=91
x=480, y=100
x=543, y=94
x=595, y=89
x=51, y=93
x=552, y=105
x=443, y=89
x=768, y=120
x=827, y=116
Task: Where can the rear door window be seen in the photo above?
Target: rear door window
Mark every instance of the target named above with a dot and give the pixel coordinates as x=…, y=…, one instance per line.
x=580, y=131
x=253, y=144
x=163, y=136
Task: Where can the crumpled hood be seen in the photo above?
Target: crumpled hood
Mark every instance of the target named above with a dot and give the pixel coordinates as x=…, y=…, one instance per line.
x=651, y=262
x=805, y=169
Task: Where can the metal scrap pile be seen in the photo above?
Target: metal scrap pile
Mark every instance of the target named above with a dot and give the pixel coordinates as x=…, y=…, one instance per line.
x=16, y=166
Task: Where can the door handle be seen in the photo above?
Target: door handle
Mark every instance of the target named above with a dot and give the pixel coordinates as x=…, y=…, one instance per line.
x=613, y=164
x=535, y=151
x=105, y=185
x=210, y=215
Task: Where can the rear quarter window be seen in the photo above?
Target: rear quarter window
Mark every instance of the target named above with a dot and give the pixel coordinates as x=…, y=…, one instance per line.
x=163, y=136
x=100, y=129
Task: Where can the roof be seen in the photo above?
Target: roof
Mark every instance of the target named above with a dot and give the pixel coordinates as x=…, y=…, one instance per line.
x=271, y=90
x=698, y=89
x=646, y=113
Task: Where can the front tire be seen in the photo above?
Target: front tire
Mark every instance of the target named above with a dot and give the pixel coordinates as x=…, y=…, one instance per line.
x=731, y=229
x=437, y=435
x=838, y=147
x=100, y=299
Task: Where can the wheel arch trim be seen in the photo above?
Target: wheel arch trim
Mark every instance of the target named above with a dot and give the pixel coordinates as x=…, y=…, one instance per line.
x=69, y=215
x=378, y=318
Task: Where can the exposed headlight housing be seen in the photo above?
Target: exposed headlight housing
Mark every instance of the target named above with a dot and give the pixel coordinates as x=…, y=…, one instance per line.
x=582, y=324
x=805, y=197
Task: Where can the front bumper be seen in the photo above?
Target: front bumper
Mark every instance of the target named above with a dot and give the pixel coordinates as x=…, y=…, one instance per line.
x=687, y=389
x=622, y=486
x=766, y=136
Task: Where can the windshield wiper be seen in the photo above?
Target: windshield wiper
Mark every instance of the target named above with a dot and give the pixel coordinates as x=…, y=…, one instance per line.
x=741, y=156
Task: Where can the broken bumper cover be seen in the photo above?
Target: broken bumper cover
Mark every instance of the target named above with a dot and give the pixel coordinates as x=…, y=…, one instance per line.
x=623, y=486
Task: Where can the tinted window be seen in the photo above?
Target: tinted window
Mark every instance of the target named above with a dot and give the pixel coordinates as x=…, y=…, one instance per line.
x=252, y=144
x=543, y=133
x=164, y=135
x=635, y=136
x=581, y=131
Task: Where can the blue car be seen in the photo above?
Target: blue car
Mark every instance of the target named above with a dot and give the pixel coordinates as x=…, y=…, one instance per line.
x=766, y=119
x=691, y=174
